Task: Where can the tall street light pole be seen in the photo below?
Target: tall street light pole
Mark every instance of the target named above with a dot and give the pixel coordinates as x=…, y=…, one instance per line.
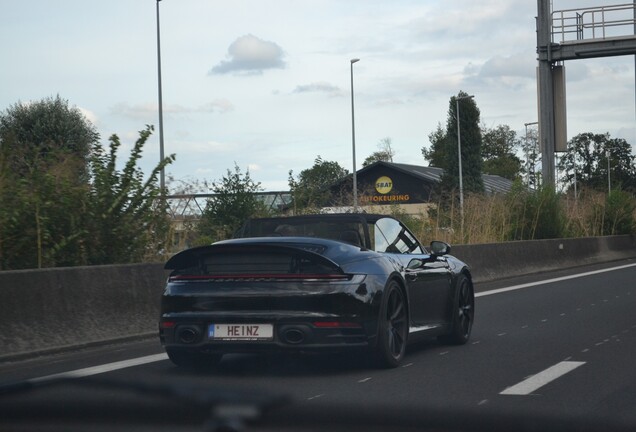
x=162, y=174
x=353, y=142
x=459, y=156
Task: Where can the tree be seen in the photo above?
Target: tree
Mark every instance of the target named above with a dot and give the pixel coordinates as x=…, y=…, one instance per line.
x=63, y=202
x=311, y=188
x=470, y=146
x=234, y=201
x=44, y=148
x=498, y=152
x=128, y=220
x=437, y=155
x=385, y=153
x=587, y=159
x=34, y=131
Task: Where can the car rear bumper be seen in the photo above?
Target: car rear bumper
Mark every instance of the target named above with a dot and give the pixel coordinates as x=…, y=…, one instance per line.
x=289, y=334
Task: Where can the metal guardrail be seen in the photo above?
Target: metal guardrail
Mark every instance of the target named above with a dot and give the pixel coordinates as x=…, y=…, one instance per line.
x=191, y=206
x=603, y=22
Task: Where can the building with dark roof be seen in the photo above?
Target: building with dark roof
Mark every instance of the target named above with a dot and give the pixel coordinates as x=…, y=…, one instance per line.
x=386, y=183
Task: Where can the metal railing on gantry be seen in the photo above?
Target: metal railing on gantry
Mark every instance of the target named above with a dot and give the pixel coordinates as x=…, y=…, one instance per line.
x=602, y=22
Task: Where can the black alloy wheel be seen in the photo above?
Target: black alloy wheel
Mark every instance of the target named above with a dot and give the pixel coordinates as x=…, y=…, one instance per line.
x=463, y=313
x=393, y=328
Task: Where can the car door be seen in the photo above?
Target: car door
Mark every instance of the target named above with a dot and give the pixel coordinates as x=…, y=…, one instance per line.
x=428, y=284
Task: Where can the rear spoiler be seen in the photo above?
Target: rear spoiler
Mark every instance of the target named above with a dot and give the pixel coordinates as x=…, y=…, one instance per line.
x=185, y=259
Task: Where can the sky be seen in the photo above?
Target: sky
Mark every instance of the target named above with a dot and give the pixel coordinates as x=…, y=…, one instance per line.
x=266, y=84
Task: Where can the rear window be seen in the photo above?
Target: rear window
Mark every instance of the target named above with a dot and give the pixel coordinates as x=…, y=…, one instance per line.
x=350, y=232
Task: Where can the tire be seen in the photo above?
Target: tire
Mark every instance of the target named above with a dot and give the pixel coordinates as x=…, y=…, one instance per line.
x=192, y=359
x=463, y=313
x=393, y=328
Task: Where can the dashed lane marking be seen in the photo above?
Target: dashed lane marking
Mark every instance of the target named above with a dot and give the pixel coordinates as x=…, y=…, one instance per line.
x=537, y=381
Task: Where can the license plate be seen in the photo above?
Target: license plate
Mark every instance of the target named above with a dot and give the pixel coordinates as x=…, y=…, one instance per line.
x=241, y=332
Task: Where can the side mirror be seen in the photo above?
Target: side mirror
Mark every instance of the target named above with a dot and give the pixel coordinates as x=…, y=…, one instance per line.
x=439, y=248
x=415, y=264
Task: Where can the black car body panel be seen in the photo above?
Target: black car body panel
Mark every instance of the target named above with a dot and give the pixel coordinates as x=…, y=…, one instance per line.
x=303, y=283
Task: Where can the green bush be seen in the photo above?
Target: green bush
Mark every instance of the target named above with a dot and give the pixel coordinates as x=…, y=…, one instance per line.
x=619, y=213
x=536, y=214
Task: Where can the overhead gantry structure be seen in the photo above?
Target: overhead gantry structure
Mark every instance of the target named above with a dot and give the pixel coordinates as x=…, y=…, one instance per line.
x=573, y=34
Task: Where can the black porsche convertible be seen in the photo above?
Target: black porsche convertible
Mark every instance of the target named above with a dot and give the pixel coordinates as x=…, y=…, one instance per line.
x=325, y=282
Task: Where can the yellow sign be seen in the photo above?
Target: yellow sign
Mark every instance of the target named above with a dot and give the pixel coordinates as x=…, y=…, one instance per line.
x=384, y=185
x=380, y=199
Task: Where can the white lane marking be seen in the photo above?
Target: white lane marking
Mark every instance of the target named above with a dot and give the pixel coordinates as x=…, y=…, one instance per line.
x=407, y=365
x=537, y=381
x=364, y=380
x=109, y=367
x=547, y=281
x=315, y=397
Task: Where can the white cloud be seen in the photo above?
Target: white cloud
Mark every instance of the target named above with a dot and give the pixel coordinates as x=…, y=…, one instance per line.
x=90, y=115
x=144, y=112
x=319, y=87
x=219, y=105
x=149, y=111
x=251, y=55
x=206, y=147
x=520, y=65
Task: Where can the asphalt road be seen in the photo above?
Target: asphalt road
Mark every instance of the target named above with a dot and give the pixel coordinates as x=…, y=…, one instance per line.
x=558, y=344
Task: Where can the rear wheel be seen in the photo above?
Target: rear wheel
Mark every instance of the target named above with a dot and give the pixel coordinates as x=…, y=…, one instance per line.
x=193, y=359
x=393, y=328
x=463, y=313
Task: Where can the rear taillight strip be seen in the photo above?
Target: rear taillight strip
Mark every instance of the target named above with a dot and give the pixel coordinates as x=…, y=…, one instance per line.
x=265, y=277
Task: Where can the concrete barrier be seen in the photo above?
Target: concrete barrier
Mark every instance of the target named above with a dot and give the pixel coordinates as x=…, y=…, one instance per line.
x=52, y=309
x=502, y=260
x=49, y=310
